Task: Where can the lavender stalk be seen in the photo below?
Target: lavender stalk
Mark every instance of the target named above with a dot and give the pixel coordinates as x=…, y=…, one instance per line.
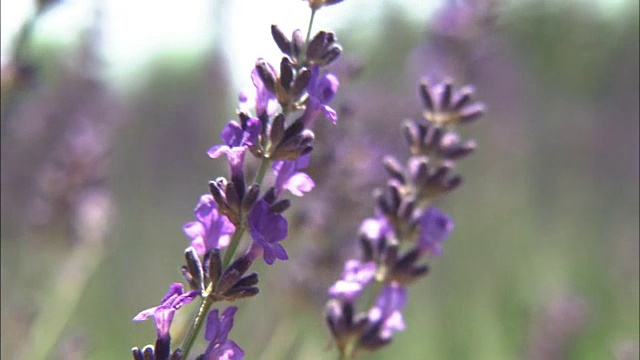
x=299, y=89
x=406, y=227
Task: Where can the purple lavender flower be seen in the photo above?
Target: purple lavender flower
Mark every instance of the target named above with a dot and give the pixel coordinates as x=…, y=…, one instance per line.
x=435, y=228
x=261, y=99
x=387, y=310
x=212, y=230
x=163, y=313
x=234, y=135
x=355, y=277
x=321, y=92
x=217, y=332
x=376, y=229
x=236, y=140
x=288, y=177
x=267, y=229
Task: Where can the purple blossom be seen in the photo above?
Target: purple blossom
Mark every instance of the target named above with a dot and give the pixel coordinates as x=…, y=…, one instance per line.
x=288, y=177
x=267, y=229
x=217, y=332
x=355, y=277
x=376, y=228
x=234, y=135
x=212, y=230
x=387, y=310
x=163, y=313
x=263, y=100
x=236, y=140
x=321, y=92
x=435, y=227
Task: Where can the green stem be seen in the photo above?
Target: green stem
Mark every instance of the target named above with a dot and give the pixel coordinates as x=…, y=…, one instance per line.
x=235, y=241
x=306, y=42
x=343, y=356
x=263, y=170
x=348, y=352
x=196, y=325
x=313, y=15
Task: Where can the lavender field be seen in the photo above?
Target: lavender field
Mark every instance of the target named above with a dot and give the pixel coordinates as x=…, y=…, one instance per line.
x=116, y=121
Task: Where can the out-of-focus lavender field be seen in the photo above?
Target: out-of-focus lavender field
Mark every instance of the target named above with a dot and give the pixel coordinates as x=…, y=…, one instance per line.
x=99, y=176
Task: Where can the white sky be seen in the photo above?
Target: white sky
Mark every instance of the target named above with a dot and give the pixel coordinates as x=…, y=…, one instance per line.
x=137, y=30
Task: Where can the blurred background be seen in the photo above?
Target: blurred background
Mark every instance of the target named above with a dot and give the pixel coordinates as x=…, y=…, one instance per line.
x=109, y=107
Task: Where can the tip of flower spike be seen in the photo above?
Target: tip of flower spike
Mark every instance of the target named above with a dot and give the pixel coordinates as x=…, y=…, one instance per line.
x=445, y=105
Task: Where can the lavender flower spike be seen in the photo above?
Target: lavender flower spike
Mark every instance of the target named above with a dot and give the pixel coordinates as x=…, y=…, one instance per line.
x=217, y=332
x=212, y=230
x=288, y=177
x=267, y=229
x=435, y=228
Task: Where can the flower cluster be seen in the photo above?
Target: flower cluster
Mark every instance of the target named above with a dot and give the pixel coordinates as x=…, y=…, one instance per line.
x=274, y=125
x=406, y=227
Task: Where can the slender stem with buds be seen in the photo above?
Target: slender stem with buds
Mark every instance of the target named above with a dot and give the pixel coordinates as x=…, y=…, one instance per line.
x=306, y=42
x=196, y=324
x=313, y=15
x=198, y=320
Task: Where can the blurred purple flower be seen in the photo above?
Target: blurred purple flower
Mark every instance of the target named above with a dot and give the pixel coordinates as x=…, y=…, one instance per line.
x=387, y=310
x=376, y=228
x=260, y=98
x=237, y=139
x=267, y=229
x=217, y=332
x=288, y=177
x=212, y=230
x=163, y=313
x=355, y=276
x=435, y=228
x=321, y=92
